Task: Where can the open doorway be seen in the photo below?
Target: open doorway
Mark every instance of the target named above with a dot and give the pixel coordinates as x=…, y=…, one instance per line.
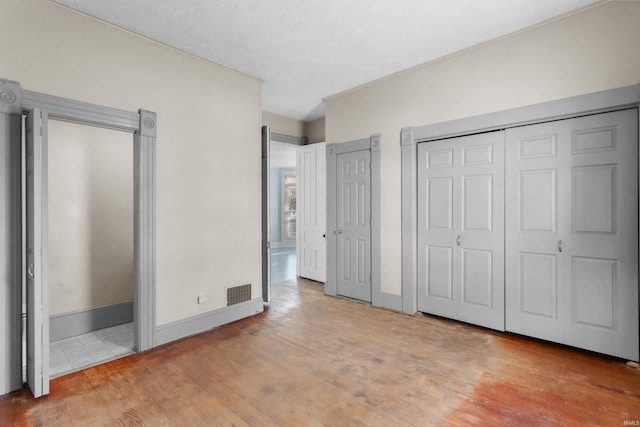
x=90, y=245
x=283, y=211
x=29, y=114
x=293, y=210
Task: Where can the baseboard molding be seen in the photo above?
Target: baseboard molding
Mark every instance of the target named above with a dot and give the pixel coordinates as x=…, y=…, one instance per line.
x=206, y=321
x=69, y=325
x=283, y=244
x=390, y=301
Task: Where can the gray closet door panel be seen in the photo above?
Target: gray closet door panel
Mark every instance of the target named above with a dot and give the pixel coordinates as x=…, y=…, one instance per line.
x=461, y=230
x=572, y=232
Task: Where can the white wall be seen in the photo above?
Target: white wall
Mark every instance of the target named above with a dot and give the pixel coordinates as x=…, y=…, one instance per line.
x=593, y=50
x=208, y=225
x=90, y=217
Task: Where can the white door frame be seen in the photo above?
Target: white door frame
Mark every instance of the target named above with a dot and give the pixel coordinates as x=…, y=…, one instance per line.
x=371, y=144
x=598, y=102
x=143, y=127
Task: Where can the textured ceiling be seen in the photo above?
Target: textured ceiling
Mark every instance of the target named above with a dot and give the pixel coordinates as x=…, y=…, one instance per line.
x=306, y=50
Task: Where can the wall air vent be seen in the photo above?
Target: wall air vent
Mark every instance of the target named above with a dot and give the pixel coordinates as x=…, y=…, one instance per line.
x=238, y=294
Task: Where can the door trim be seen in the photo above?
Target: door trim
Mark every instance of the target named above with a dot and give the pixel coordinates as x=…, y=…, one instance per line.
x=142, y=125
x=594, y=103
x=371, y=144
x=11, y=249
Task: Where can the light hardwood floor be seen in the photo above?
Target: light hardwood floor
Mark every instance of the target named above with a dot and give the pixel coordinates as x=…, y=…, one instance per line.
x=312, y=360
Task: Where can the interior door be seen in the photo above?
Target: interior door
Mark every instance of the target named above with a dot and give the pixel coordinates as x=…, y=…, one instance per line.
x=572, y=236
x=354, y=225
x=312, y=212
x=36, y=253
x=601, y=251
x=535, y=180
x=266, y=215
x=461, y=229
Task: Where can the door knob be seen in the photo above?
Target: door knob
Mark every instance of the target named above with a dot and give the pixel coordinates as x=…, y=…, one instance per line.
x=559, y=245
x=458, y=240
x=30, y=271
x=338, y=231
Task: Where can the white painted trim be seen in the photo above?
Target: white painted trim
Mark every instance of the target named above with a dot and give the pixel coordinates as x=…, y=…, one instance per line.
x=80, y=322
x=207, y=321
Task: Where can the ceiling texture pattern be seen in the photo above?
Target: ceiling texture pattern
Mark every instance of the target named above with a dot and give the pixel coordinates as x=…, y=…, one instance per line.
x=306, y=50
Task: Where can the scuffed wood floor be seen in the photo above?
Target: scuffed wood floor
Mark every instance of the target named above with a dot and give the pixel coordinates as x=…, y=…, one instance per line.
x=312, y=360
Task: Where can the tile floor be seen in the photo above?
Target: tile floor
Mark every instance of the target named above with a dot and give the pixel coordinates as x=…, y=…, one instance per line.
x=75, y=353
x=283, y=264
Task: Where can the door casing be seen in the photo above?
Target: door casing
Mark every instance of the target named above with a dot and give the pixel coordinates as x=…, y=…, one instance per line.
x=142, y=125
x=598, y=102
x=333, y=150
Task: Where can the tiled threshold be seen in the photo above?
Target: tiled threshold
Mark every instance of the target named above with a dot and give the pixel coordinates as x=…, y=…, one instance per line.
x=76, y=353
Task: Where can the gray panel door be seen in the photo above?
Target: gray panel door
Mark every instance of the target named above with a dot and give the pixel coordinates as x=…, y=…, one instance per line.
x=353, y=207
x=461, y=229
x=572, y=232
x=266, y=216
x=37, y=298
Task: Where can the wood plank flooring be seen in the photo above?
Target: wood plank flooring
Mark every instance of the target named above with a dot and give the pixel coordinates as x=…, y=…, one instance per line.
x=312, y=360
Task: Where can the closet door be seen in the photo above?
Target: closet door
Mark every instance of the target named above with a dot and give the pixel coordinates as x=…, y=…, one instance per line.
x=461, y=230
x=572, y=232
x=601, y=229
x=535, y=182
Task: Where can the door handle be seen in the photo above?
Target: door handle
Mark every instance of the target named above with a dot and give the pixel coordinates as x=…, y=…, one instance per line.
x=559, y=245
x=30, y=271
x=338, y=231
x=458, y=240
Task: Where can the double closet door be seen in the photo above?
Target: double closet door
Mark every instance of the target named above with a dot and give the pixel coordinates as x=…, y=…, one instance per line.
x=461, y=230
x=572, y=232
x=543, y=241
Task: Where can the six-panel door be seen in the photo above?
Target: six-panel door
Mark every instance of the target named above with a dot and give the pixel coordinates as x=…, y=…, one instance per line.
x=353, y=234
x=460, y=229
x=312, y=211
x=572, y=232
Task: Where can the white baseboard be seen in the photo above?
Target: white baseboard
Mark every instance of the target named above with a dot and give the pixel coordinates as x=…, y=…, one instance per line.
x=206, y=321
